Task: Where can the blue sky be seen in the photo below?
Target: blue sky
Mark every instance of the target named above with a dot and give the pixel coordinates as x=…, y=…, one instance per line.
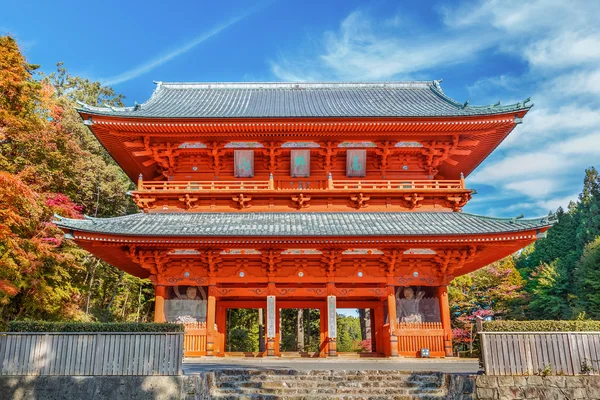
x=484, y=50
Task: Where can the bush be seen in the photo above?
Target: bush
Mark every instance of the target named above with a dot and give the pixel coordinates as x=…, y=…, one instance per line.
x=45, y=326
x=541, y=326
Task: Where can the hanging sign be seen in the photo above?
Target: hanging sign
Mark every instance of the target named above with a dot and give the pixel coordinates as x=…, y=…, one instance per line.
x=356, y=162
x=271, y=317
x=300, y=163
x=331, y=317
x=244, y=163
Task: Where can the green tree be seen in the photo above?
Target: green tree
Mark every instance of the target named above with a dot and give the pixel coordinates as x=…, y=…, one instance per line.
x=588, y=275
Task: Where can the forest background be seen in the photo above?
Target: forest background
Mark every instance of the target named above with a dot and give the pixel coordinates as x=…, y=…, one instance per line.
x=51, y=163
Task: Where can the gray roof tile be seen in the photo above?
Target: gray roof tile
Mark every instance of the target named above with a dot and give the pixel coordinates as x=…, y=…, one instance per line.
x=301, y=224
x=266, y=100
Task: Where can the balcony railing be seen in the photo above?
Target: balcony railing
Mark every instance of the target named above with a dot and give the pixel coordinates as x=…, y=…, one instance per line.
x=304, y=185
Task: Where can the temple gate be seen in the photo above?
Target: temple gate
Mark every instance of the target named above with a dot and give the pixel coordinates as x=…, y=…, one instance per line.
x=324, y=196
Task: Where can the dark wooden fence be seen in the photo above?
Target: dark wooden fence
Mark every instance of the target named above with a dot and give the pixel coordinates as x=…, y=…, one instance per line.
x=530, y=353
x=91, y=353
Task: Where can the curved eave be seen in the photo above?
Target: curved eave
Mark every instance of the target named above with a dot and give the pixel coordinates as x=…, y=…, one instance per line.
x=112, y=246
x=489, y=131
x=323, y=226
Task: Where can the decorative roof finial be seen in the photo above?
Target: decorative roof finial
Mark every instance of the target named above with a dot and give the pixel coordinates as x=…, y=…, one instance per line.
x=465, y=104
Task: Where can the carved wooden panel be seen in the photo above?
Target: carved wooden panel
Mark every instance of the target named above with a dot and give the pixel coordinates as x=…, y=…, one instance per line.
x=244, y=163
x=300, y=163
x=356, y=163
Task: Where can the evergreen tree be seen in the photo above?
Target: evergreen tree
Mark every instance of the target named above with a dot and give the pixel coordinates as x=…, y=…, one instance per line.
x=588, y=275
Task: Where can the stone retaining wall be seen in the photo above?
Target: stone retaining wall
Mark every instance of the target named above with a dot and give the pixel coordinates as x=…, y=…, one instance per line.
x=536, y=387
x=198, y=387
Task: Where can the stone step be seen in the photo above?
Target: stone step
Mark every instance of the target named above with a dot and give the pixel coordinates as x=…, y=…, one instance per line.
x=328, y=384
x=357, y=378
x=337, y=391
x=289, y=371
x=355, y=375
x=321, y=397
x=318, y=384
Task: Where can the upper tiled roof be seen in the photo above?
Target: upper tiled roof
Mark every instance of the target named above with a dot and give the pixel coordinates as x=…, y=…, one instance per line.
x=301, y=224
x=271, y=100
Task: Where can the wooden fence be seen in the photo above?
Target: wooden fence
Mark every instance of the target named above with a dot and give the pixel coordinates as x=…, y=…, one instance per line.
x=529, y=353
x=194, y=344
x=412, y=337
x=91, y=353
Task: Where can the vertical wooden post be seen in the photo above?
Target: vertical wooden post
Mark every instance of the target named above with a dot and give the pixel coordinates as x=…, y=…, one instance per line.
x=332, y=325
x=391, y=298
x=261, y=331
x=159, y=303
x=271, y=182
x=373, y=330
x=445, y=314
x=323, y=345
x=271, y=328
x=300, y=330
x=211, y=312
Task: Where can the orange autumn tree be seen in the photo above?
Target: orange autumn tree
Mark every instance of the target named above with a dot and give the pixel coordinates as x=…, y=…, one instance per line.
x=50, y=163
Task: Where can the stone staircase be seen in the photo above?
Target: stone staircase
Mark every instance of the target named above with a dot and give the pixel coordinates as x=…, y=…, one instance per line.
x=271, y=384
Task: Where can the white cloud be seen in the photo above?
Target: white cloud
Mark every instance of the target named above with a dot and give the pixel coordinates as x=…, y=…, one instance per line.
x=164, y=58
x=533, y=187
x=553, y=203
x=364, y=49
x=521, y=166
x=555, y=44
x=568, y=49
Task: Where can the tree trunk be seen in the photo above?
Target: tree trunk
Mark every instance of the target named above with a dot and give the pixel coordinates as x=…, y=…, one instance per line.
x=87, y=304
x=362, y=320
x=261, y=331
x=300, y=330
x=137, y=318
x=308, y=330
x=114, y=293
x=367, y=324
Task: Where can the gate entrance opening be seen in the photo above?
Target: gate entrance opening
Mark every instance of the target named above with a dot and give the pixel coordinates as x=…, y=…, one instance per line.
x=300, y=331
x=355, y=330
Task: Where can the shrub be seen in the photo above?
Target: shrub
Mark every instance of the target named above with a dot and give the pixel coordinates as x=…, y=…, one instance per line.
x=541, y=326
x=46, y=326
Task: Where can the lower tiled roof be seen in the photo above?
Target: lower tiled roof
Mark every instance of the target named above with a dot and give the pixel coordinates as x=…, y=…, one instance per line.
x=301, y=224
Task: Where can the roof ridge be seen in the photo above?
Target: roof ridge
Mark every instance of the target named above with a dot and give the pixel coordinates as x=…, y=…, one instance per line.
x=297, y=85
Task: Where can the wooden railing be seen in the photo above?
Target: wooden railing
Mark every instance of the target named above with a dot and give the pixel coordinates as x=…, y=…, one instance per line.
x=301, y=184
x=398, y=184
x=91, y=353
x=194, y=343
x=204, y=185
x=412, y=337
x=529, y=353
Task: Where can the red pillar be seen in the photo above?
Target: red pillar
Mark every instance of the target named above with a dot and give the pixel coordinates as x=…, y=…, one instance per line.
x=445, y=314
x=391, y=299
x=159, y=303
x=211, y=312
x=323, y=347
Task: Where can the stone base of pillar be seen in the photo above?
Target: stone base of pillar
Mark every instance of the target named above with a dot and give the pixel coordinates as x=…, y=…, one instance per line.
x=270, y=347
x=210, y=347
x=332, y=347
x=448, y=348
x=393, y=346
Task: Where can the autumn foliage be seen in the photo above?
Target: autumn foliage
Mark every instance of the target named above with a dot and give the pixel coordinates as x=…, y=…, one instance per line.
x=51, y=164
